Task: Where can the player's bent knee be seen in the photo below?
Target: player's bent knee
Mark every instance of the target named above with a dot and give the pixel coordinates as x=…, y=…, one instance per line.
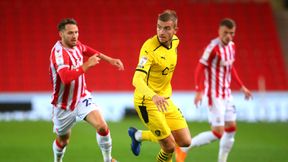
x=102, y=126
x=186, y=143
x=168, y=146
x=63, y=142
x=169, y=149
x=232, y=128
x=104, y=130
x=218, y=134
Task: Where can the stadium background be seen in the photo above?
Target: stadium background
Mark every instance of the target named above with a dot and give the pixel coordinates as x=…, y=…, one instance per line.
x=118, y=28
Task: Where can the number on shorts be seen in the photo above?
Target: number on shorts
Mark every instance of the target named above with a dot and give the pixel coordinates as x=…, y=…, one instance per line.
x=87, y=101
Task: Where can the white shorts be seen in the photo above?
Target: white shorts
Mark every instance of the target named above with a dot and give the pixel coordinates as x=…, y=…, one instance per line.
x=65, y=119
x=222, y=110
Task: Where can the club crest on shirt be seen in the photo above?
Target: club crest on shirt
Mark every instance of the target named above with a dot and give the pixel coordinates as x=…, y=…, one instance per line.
x=157, y=132
x=142, y=62
x=59, y=57
x=226, y=63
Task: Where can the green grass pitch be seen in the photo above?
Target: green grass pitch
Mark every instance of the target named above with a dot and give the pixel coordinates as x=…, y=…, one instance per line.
x=27, y=141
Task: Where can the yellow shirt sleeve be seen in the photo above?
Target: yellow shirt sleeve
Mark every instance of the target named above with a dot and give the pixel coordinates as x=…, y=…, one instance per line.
x=140, y=76
x=141, y=86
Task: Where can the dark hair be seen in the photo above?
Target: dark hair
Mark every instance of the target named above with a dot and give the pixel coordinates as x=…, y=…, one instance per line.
x=229, y=23
x=64, y=22
x=168, y=15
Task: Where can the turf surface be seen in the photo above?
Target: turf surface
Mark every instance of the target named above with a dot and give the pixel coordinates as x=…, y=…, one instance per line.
x=29, y=141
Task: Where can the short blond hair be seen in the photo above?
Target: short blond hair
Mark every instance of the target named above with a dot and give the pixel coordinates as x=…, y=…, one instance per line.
x=168, y=15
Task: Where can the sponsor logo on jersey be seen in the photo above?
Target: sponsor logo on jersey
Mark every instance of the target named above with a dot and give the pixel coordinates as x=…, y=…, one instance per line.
x=142, y=62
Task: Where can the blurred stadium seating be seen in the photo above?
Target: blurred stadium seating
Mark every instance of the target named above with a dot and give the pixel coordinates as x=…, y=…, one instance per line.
x=119, y=27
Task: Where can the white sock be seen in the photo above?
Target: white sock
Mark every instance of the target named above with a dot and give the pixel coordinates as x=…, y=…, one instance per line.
x=203, y=139
x=58, y=152
x=226, y=144
x=105, y=144
x=138, y=135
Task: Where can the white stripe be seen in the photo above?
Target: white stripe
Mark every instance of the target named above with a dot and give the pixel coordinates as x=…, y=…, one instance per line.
x=71, y=58
x=61, y=67
x=228, y=91
x=221, y=71
x=80, y=55
x=213, y=76
x=208, y=51
x=77, y=59
x=54, y=76
x=80, y=85
x=59, y=55
x=228, y=74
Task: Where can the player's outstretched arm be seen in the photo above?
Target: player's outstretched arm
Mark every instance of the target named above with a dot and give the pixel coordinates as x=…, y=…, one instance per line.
x=198, y=76
x=247, y=93
x=198, y=98
x=113, y=61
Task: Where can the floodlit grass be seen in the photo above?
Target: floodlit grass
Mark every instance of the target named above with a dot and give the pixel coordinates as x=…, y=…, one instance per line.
x=28, y=141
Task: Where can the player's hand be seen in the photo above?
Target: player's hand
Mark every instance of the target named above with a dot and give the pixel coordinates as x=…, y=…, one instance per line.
x=93, y=60
x=160, y=102
x=118, y=63
x=247, y=93
x=198, y=99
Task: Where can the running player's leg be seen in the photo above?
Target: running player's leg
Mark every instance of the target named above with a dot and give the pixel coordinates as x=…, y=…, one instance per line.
x=137, y=136
x=59, y=147
x=216, y=119
x=179, y=127
x=183, y=140
x=158, y=128
x=63, y=121
x=167, y=149
x=90, y=112
x=227, y=140
x=103, y=134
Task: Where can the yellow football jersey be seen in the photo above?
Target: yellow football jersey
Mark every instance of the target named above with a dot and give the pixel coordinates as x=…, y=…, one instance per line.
x=157, y=63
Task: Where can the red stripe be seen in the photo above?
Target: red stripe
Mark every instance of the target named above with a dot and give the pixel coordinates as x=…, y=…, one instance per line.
x=210, y=100
x=58, y=144
x=82, y=85
x=75, y=94
x=65, y=95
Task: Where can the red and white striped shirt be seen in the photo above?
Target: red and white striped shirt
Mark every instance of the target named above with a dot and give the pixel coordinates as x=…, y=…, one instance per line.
x=67, y=75
x=218, y=60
